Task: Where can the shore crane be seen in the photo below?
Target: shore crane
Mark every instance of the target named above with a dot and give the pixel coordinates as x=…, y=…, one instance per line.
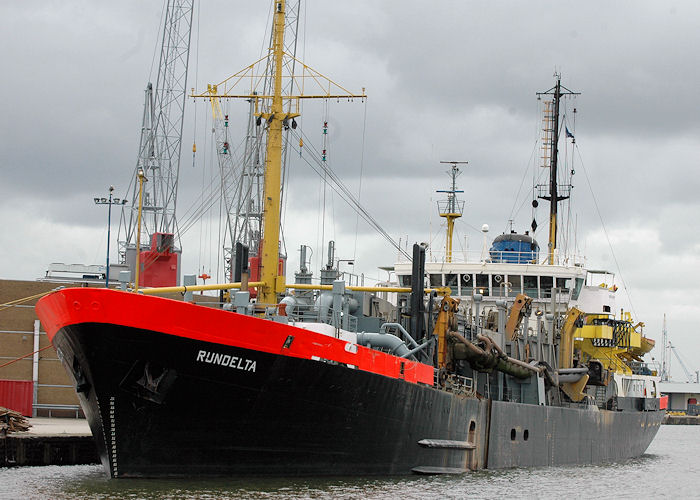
x=691, y=376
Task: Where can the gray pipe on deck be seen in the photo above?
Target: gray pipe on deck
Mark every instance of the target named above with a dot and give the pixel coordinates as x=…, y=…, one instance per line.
x=395, y=345
x=420, y=347
x=409, y=339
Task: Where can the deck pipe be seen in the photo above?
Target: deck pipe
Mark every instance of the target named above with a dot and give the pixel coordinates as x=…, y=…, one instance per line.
x=396, y=346
x=420, y=348
x=407, y=336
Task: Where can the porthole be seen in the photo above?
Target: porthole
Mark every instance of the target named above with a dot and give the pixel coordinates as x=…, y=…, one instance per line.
x=512, y=434
x=526, y=434
x=472, y=426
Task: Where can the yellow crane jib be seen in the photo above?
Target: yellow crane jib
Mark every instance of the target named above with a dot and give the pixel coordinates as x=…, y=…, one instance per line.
x=446, y=322
x=520, y=307
x=574, y=317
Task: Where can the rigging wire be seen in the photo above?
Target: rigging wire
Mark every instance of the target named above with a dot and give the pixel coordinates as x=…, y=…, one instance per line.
x=204, y=170
x=285, y=146
x=564, y=174
x=573, y=172
x=522, y=181
x=362, y=165
x=605, y=231
x=570, y=175
x=209, y=195
x=161, y=24
x=268, y=24
x=337, y=185
x=196, y=85
x=324, y=179
x=218, y=241
x=535, y=181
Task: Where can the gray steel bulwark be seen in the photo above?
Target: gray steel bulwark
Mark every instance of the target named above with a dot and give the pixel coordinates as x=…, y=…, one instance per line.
x=523, y=435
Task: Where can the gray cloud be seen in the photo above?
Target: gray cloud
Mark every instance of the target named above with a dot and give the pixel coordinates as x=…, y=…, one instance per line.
x=452, y=80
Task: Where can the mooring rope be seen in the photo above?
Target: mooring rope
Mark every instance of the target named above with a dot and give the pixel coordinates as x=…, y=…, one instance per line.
x=25, y=356
x=7, y=305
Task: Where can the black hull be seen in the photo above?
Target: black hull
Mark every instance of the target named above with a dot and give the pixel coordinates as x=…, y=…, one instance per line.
x=289, y=416
x=157, y=408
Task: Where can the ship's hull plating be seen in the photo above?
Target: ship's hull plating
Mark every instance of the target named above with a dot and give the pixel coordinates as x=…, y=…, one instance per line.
x=160, y=405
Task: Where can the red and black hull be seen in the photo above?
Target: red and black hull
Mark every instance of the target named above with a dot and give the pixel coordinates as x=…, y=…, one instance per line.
x=173, y=389
x=157, y=407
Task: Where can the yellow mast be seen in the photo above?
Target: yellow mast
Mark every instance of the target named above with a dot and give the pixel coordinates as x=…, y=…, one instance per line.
x=451, y=208
x=277, y=119
x=274, y=283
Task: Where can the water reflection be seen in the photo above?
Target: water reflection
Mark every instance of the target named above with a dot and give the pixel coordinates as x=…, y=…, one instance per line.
x=670, y=465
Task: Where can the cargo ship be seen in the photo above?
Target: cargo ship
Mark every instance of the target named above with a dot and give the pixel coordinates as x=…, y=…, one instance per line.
x=332, y=379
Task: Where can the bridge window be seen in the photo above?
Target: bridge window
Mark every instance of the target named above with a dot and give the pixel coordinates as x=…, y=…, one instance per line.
x=405, y=280
x=546, y=284
x=563, y=284
x=577, y=288
x=451, y=281
x=466, y=283
x=498, y=282
x=482, y=284
x=530, y=286
x=436, y=280
x=515, y=284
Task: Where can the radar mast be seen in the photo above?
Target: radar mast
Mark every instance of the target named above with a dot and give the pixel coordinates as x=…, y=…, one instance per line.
x=555, y=192
x=451, y=208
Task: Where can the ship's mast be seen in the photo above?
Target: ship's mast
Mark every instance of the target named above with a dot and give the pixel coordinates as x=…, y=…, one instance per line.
x=274, y=283
x=555, y=194
x=452, y=208
x=269, y=108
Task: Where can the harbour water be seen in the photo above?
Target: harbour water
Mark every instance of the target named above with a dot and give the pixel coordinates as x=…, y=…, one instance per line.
x=670, y=467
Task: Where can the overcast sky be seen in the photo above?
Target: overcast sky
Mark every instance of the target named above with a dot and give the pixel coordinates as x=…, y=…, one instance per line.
x=445, y=80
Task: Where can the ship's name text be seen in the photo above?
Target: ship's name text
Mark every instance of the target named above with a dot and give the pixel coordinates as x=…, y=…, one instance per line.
x=217, y=358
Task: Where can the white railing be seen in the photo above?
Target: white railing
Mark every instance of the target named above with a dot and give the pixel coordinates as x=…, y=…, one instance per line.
x=506, y=257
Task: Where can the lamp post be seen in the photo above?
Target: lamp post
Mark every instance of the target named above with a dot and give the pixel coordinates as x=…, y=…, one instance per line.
x=109, y=201
x=142, y=178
